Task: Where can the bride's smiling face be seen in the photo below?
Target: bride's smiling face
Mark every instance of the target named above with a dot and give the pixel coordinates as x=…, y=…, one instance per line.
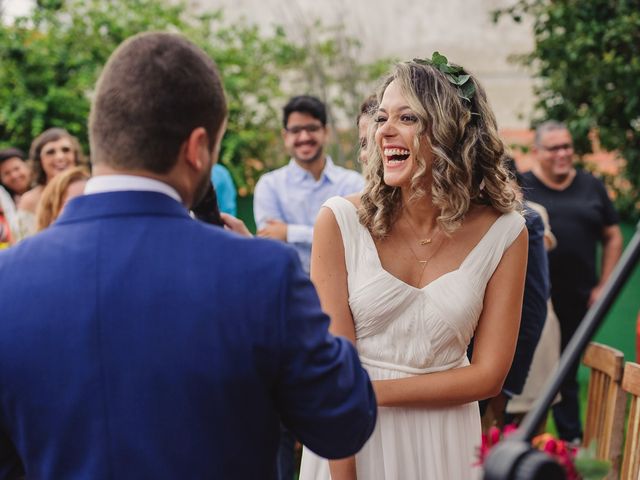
x=397, y=128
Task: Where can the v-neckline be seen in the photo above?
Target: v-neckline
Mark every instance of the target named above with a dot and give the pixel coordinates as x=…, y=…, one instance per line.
x=372, y=244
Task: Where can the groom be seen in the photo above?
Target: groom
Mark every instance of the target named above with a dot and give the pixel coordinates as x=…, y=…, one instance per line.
x=136, y=342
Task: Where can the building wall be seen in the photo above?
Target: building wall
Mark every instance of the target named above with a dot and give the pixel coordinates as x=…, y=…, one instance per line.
x=460, y=29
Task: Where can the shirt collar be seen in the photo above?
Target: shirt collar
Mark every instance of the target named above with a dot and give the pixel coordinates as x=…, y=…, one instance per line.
x=117, y=183
x=299, y=174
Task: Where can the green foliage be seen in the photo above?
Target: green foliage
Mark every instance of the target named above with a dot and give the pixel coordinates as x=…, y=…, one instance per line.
x=50, y=60
x=454, y=73
x=588, y=464
x=334, y=71
x=587, y=58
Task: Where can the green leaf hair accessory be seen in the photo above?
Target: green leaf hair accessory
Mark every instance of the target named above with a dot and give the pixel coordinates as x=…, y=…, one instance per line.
x=454, y=73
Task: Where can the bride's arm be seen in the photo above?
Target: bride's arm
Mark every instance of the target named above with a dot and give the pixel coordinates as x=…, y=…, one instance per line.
x=494, y=346
x=329, y=275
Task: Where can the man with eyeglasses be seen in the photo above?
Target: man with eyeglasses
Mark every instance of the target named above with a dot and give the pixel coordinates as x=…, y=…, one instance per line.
x=287, y=200
x=581, y=216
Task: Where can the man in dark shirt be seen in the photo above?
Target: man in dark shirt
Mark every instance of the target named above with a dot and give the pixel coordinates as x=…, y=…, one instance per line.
x=581, y=215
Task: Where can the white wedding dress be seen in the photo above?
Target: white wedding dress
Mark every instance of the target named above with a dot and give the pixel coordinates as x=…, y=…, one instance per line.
x=403, y=331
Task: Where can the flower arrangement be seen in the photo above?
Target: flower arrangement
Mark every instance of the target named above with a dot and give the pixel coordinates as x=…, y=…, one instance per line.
x=563, y=452
x=578, y=463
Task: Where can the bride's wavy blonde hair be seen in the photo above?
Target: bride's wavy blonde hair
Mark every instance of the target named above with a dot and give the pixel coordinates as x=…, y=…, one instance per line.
x=467, y=153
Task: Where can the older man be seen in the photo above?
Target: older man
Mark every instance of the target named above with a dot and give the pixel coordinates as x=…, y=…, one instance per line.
x=581, y=216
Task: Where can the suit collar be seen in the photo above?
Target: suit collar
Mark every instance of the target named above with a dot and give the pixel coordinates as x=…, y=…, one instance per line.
x=122, y=203
x=117, y=183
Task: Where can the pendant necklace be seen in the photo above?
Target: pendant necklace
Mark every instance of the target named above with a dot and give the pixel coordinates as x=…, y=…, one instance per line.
x=421, y=241
x=426, y=260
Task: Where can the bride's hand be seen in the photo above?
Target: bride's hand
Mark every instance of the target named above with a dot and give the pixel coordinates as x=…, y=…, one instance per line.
x=344, y=469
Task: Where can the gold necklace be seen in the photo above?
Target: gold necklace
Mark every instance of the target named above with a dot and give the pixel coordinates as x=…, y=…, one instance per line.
x=423, y=241
x=423, y=262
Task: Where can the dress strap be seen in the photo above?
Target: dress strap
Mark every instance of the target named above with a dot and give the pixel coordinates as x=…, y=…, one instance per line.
x=346, y=216
x=485, y=257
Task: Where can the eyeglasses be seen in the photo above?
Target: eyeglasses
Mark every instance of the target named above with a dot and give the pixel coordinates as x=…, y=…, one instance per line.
x=557, y=148
x=312, y=128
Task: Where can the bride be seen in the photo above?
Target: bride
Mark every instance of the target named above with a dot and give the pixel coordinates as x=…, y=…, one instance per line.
x=431, y=254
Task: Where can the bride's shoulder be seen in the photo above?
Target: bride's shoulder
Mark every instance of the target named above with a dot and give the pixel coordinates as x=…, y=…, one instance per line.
x=480, y=217
x=354, y=199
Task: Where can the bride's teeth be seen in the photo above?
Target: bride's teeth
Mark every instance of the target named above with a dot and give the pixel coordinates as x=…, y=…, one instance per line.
x=390, y=152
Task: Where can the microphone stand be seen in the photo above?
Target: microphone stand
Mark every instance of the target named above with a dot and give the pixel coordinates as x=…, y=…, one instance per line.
x=514, y=458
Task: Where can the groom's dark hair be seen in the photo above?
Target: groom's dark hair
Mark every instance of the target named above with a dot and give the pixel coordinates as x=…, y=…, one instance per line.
x=154, y=91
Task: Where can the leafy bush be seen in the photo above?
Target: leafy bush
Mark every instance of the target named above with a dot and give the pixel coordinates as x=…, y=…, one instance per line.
x=587, y=59
x=50, y=60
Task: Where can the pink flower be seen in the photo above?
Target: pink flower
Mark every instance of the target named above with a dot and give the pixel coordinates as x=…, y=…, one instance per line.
x=561, y=451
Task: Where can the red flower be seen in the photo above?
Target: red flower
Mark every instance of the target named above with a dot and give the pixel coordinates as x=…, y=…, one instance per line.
x=563, y=452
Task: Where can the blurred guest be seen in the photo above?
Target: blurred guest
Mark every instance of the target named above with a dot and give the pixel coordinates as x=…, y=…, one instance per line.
x=287, y=200
x=53, y=151
x=7, y=215
x=15, y=173
x=582, y=216
x=363, y=122
x=532, y=321
x=208, y=211
x=57, y=193
x=547, y=353
x=225, y=189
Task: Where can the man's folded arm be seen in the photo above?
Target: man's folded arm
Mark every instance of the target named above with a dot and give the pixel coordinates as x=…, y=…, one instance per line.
x=325, y=395
x=265, y=203
x=297, y=233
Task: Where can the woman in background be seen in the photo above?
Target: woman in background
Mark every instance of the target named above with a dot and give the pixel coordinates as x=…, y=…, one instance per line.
x=53, y=151
x=57, y=193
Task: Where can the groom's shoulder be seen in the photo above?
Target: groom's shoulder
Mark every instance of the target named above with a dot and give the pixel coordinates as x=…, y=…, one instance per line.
x=252, y=250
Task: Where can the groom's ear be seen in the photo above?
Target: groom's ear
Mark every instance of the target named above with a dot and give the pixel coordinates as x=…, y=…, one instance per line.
x=196, y=149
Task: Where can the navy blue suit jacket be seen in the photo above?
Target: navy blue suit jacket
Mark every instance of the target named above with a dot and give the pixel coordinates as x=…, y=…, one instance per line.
x=136, y=342
x=534, y=305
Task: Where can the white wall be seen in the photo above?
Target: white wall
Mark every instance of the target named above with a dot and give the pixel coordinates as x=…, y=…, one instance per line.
x=460, y=29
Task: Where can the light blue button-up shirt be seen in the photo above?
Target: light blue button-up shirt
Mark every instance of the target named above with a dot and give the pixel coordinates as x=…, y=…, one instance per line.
x=291, y=194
